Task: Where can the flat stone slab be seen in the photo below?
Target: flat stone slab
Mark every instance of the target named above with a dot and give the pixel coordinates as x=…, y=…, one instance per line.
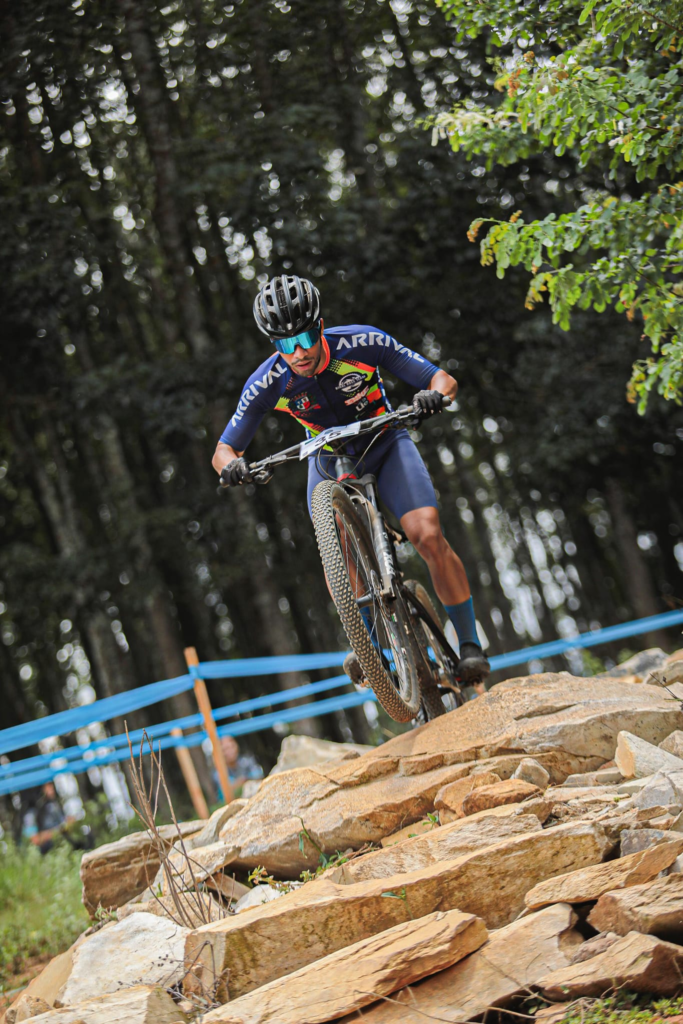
x=591, y=882
x=573, y=722
x=359, y=974
x=265, y=943
x=115, y=873
x=655, y=908
x=141, y=1004
x=638, y=963
x=513, y=959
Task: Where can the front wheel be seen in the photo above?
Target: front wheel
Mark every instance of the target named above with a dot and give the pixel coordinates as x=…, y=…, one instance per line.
x=382, y=634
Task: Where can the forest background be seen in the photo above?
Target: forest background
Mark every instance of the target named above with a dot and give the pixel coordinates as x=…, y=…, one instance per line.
x=156, y=163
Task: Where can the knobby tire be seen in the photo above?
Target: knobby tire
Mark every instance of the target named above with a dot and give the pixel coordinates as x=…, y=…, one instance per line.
x=328, y=497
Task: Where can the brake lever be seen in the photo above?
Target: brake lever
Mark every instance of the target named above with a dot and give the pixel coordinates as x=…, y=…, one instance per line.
x=262, y=476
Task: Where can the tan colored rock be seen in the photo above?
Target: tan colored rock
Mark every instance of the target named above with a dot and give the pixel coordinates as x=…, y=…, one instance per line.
x=26, y=1007
x=211, y=831
x=591, y=947
x=347, y=804
x=655, y=908
x=322, y=917
x=591, y=882
x=445, y=843
x=550, y=711
x=141, y=950
x=510, y=791
x=304, y=751
x=633, y=840
x=196, y=909
x=538, y=807
x=190, y=868
x=530, y=770
x=113, y=874
x=511, y=961
x=673, y=744
x=419, y=828
x=638, y=963
x=359, y=974
x=139, y=1005
x=603, y=777
x=637, y=759
x=53, y=977
x=451, y=796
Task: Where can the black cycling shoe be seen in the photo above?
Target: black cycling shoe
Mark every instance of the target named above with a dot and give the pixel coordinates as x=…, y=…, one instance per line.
x=353, y=670
x=474, y=666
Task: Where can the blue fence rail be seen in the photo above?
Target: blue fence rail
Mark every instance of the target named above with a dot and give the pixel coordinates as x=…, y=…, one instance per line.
x=34, y=771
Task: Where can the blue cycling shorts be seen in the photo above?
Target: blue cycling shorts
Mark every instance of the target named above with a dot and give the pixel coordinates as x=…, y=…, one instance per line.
x=403, y=481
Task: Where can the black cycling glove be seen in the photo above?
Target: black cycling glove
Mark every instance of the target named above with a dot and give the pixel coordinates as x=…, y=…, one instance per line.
x=236, y=473
x=426, y=403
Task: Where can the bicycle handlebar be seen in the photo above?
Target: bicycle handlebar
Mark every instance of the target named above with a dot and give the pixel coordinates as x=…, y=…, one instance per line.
x=262, y=471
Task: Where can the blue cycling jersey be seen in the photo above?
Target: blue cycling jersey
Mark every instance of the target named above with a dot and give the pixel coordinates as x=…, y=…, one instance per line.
x=348, y=386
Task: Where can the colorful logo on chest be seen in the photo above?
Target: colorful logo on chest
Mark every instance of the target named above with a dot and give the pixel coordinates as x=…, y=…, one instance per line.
x=302, y=403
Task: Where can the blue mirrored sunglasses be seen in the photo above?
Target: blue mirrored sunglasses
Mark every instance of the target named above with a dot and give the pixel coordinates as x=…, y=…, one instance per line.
x=307, y=339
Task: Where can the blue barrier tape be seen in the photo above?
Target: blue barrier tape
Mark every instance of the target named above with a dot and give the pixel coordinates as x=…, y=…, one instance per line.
x=26, y=735
x=158, y=731
x=322, y=707
x=67, y=721
x=597, y=636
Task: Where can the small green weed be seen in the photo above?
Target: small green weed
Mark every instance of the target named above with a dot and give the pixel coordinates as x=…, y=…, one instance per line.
x=325, y=861
x=621, y=1008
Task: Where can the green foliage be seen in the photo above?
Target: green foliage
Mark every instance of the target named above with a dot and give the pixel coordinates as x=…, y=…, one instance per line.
x=622, y=1008
x=602, y=86
x=40, y=905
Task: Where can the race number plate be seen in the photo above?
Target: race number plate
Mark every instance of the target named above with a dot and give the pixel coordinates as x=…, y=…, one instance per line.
x=314, y=444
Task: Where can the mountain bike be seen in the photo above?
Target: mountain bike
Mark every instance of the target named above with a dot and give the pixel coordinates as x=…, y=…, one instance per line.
x=391, y=623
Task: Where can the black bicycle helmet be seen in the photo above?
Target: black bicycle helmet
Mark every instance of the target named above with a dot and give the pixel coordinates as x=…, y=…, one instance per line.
x=286, y=305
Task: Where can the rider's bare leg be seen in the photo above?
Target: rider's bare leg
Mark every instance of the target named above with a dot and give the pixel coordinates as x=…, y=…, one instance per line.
x=423, y=530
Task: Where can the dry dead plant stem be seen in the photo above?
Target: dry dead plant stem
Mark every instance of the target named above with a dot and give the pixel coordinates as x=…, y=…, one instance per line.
x=147, y=800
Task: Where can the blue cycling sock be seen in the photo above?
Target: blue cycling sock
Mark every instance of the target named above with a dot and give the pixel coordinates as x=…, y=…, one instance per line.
x=464, y=622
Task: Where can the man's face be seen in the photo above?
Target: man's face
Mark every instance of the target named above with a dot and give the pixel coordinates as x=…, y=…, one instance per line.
x=230, y=748
x=304, y=361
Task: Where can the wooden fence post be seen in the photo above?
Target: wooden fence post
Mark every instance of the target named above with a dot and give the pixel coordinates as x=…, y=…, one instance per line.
x=191, y=778
x=204, y=705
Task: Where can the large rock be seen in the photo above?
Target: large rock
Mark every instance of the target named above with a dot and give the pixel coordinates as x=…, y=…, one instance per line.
x=509, y=791
x=139, y=1005
x=451, y=796
x=140, y=950
x=49, y=983
x=511, y=961
x=113, y=874
x=303, y=751
x=347, y=804
x=359, y=974
x=591, y=882
x=638, y=963
x=445, y=843
x=25, y=1007
x=655, y=908
x=265, y=943
x=531, y=771
x=673, y=744
x=191, y=909
x=546, y=712
x=663, y=789
x=636, y=758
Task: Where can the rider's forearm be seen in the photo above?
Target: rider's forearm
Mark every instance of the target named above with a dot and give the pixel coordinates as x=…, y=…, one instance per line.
x=443, y=382
x=223, y=455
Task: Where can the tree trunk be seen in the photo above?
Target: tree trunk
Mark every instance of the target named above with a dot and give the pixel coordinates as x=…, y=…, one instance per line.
x=635, y=571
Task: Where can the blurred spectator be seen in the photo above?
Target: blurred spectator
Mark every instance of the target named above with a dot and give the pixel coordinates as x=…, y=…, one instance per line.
x=241, y=767
x=45, y=819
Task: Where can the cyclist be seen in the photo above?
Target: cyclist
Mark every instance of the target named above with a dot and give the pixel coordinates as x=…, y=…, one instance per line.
x=327, y=377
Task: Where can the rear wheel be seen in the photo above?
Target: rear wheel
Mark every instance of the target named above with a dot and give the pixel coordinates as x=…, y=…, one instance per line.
x=439, y=662
x=381, y=636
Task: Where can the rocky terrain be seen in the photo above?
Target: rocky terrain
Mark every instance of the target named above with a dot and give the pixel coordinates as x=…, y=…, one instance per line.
x=530, y=842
